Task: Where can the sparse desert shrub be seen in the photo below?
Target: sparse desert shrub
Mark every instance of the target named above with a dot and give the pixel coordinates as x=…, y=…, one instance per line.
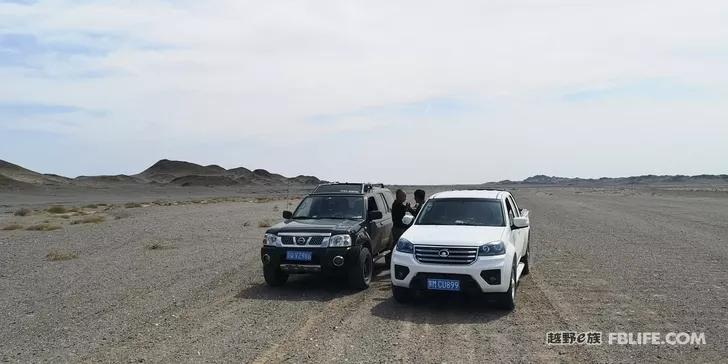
x=57, y=210
x=91, y=219
x=91, y=206
x=247, y=223
x=265, y=223
x=132, y=205
x=119, y=214
x=158, y=245
x=23, y=212
x=42, y=227
x=57, y=256
x=13, y=227
x=263, y=199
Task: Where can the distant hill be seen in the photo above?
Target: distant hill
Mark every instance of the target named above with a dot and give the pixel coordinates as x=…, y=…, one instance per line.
x=14, y=175
x=116, y=179
x=191, y=174
x=164, y=172
x=703, y=179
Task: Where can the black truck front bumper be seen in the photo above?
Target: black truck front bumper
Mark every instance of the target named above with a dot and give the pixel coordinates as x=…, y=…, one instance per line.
x=323, y=260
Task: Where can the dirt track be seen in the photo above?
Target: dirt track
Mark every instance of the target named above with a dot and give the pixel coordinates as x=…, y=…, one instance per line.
x=604, y=260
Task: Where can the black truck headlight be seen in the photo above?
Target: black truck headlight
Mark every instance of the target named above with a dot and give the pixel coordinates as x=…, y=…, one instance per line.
x=271, y=239
x=342, y=240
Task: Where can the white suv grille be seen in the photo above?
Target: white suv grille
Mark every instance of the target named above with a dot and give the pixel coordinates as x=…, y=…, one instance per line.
x=445, y=254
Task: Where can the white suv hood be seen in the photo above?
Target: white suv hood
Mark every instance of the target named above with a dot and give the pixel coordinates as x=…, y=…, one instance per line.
x=453, y=235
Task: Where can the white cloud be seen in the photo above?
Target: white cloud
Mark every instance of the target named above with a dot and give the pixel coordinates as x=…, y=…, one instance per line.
x=234, y=74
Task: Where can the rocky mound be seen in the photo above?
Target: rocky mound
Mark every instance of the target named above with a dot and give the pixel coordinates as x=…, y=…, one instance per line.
x=205, y=181
x=167, y=170
x=305, y=180
x=25, y=176
x=178, y=173
x=650, y=179
x=117, y=179
x=11, y=184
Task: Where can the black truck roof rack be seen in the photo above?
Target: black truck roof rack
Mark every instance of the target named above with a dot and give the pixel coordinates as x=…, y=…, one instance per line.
x=346, y=187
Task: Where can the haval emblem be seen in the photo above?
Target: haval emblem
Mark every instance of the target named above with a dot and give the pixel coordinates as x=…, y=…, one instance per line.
x=444, y=253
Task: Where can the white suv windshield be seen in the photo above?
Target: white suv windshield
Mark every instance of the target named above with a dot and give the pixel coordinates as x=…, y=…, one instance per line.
x=330, y=207
x=462, y=211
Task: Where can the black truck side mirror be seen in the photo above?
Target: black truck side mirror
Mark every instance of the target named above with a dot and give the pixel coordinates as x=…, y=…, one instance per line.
x=287, y=215
x=374, y=215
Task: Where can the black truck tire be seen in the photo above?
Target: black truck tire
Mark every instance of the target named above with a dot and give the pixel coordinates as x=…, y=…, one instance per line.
x=274, y=276
x=360, y=273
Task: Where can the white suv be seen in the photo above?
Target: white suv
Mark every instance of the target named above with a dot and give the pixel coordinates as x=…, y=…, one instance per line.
x=474, y=241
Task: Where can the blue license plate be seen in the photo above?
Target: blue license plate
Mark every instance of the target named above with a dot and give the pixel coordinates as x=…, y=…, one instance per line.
x=443, y=284
x=299, y=255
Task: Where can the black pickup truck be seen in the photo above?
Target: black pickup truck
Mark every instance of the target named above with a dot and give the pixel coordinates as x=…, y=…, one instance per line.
x=340, y=228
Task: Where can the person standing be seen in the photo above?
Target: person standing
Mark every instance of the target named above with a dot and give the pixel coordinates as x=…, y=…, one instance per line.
x=399, y=209
x=419, y=200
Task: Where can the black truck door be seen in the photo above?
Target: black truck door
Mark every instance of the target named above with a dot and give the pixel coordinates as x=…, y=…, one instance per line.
x=375, y=226
x=387, y=222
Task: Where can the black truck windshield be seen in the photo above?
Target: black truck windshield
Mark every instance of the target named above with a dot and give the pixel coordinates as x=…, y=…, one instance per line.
x=330, y=207
x=462, y=211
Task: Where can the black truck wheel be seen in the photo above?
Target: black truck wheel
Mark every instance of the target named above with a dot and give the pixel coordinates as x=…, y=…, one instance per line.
x=274, y=276
x=360, y=273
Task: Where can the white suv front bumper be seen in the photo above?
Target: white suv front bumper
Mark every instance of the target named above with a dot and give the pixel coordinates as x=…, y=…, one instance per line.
x=502, y=262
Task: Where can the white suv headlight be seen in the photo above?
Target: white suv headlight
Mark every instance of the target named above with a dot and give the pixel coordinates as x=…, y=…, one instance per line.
x=271, y=239
x=492, y=248
x=342, y=240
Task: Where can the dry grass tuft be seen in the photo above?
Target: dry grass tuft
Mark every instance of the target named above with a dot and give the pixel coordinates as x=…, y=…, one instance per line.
x=91, y=219
x=13, y=227
x=265, y=223
x=57, y=210
x=119, y=214
x=23, y=212
x=158, y=245
x=43, y=227
x=132, y=205
x=58, y=256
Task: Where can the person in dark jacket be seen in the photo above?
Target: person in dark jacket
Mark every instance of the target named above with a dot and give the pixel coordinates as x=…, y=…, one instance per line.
x=399, y=209
x=419, y=200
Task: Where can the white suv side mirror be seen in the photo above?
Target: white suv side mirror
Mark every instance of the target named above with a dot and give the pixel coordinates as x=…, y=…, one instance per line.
x=520, y=222
x=407, y=219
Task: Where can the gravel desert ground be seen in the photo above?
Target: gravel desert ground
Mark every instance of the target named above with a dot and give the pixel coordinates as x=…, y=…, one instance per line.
x=149, y=279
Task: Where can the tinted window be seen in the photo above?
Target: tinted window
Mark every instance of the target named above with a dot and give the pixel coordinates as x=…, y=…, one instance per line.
x=330, y=207
x=372, y=204
x=465, y=211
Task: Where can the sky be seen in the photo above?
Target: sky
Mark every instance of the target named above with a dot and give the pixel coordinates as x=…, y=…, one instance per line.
x=414, y=92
